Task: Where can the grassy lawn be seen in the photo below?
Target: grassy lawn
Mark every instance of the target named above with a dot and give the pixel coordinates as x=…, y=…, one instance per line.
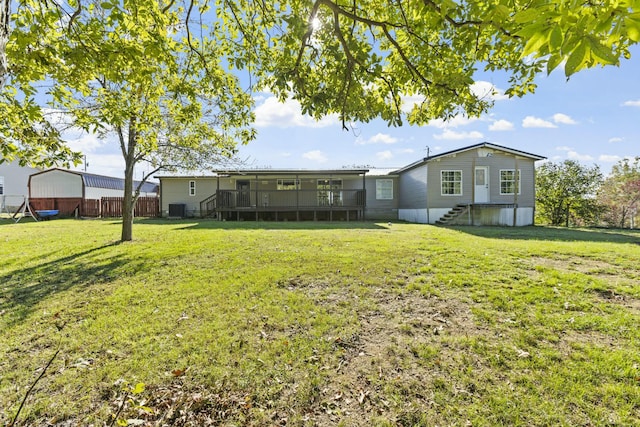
x=307, y=324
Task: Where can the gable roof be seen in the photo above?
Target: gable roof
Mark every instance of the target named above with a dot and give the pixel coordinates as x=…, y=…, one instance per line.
x=107, y=182
x=472, y=147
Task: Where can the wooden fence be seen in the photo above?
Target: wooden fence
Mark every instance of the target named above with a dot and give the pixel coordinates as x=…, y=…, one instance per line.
x=111, y=207
x=107, y=207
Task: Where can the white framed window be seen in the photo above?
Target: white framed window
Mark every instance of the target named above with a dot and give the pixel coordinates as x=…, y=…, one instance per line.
x=509, y=181
x=1, y=185
x=384, y=189
x=192, y=188
x=288, y=184
x=451, y=183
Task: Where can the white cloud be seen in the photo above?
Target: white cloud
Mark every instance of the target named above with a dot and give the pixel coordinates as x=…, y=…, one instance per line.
x=564, y=148
x=486, y=90
x=379, y=138
x=454, y=122
x=409, y=101
x=616, y=139
x=535, y=122
x=574, y=155
x=635, y=103
x=86, y=142
x=609, y=158
x=563, y=119
x=384, y=155
x=288, y=114
x=452, y=135
x=501, y=125
x=316, y=156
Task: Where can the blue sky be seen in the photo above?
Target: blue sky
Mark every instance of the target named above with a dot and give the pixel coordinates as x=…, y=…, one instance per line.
x=594, y=118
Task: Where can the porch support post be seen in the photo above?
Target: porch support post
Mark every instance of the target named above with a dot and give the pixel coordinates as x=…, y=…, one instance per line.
x=298, y=185
x=218, y=214
x=257, y=201
x=364, y=196
x=331, y=198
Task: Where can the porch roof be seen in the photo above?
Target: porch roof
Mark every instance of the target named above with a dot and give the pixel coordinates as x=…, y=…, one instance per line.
x=289, y=172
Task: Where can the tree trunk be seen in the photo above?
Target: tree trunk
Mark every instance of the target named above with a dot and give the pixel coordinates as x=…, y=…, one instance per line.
x=128, y=204
x=4, y=38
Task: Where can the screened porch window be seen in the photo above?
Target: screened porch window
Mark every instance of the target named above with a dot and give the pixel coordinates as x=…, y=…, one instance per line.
x=451, y=182
x=288, y=184
x=329, y=192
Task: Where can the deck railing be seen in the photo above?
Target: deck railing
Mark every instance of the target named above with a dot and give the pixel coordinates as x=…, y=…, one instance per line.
x=289, y=199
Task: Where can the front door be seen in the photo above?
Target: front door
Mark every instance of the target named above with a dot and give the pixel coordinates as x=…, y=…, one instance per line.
x=243, y=195
x=481, y=185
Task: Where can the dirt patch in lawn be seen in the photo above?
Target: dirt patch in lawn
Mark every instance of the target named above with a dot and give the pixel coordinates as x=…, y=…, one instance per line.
x=383, y=352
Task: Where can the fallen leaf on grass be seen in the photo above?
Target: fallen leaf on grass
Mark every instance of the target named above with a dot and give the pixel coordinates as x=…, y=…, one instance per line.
x=179, y=372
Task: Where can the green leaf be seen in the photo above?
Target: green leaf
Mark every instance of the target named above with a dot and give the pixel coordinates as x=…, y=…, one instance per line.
x=576, y=59
x=553, y=62
x=555, y=38
x=604, y=54
x=139, y=388
x=633, y=29
x=527, y=15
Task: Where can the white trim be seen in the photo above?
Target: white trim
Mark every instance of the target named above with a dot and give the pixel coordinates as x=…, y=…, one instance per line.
x=519, y=184
x=380, y=192
x=461, y=182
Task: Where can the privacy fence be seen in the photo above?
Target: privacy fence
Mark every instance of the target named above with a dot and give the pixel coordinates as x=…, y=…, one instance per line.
x=106, y=207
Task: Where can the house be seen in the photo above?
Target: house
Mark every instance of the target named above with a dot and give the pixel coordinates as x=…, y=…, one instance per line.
x=482, y=184
x=13, y=185
x=281, y=195
x=14, y=179
x=77, y=192
x=479, y=184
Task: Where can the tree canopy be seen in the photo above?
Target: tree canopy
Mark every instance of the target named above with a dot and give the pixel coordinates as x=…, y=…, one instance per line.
x=131, y=69
x=565, y=193
x=415, y=60
x=620, y=193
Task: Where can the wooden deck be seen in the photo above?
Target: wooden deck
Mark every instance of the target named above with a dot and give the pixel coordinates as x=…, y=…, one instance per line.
x=295, y=205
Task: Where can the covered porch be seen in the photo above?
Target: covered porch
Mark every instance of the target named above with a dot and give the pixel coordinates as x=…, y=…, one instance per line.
x=287, y=195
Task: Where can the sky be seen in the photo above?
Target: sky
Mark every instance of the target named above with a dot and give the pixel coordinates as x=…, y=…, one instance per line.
x=594, y=118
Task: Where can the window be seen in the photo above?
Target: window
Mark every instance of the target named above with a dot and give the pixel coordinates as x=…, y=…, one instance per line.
x=329, y=192
x=451, y=183
x=192, y=188
x=1, y=185
x=384, y=189
x=288, y=184
x=509, y=181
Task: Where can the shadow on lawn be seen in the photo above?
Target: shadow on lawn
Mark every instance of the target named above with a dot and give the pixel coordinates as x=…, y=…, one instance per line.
x=556, y=234
x=23, y=289
x=280, y=225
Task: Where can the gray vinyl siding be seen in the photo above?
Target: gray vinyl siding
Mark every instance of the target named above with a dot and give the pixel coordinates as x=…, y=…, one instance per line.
x=386, y=209
x=412, y=188
x=466, y=162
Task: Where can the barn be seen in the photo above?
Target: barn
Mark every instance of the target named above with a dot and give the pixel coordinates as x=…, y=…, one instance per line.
x=80, y=193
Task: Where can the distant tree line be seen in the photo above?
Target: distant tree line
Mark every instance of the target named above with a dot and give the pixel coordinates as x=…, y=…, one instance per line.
x=571, y=194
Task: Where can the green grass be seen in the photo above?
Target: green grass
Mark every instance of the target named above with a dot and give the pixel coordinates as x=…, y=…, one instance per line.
x=319, y=324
